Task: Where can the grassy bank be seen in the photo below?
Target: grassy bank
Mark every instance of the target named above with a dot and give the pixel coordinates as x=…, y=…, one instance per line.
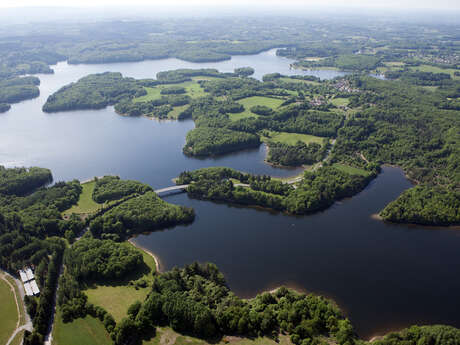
x=166, y=335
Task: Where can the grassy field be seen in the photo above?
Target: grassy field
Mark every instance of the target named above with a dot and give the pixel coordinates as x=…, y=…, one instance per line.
x=8, y=312
x=80, y=332
x=292, y=80
x=351, y=170
x=340, y=102
x=117, y=296
x=434, y=69
x=192, y=88
x=166, y=336
x=22, y=318
x=86, y=204
x=292, y=138
x=249, y=102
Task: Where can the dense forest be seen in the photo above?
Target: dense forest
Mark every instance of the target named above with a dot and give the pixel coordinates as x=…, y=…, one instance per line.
x=146, y=212
x=110, y=188
x=93, y=92
x=316, y=191
x=295, y=155
x=14, y=90
x=205, y=141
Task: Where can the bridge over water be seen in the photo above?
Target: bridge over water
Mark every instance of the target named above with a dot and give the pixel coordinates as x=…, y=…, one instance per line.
x=172, y=189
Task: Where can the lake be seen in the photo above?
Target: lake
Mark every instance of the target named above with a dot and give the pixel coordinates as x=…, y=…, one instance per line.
x=383, y=276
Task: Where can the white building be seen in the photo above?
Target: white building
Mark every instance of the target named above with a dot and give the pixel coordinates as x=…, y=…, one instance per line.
x=30, y=274
x=34, y=286
x=28, y=289
x=23, y=276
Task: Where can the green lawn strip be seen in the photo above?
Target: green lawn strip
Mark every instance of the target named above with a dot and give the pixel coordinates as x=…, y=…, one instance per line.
x=117, y=296
x=292, y=138
x=8, y=312
x=85, y=204
x=435, y=69
x=82, y=331
x=293, y=80
x=351, y=170
x=166, y=335
x=340, y=102
x=192, y=88
x=20, y=301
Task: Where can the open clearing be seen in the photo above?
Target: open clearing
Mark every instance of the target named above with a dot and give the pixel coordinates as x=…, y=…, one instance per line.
x=351, y=170
x=80, y=332
x=85, y=204
x=8, y=311
x=340, y=101
x=292, y=138
x=249, y=102
x=117, y=296
x=166, y=336
x=192, y=89
x=434, y=69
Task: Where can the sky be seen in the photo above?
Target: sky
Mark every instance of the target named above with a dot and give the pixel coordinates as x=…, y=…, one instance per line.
x=396, y=4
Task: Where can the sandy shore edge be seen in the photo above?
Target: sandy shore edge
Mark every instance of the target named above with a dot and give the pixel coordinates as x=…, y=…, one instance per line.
x=155, y=258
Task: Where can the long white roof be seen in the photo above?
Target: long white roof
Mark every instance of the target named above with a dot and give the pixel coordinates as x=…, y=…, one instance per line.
x=34, y=286
x=28, y=289
x=23, y=276
x=30, y=274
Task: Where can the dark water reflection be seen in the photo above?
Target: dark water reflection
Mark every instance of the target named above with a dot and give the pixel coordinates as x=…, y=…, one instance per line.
x=384, y=276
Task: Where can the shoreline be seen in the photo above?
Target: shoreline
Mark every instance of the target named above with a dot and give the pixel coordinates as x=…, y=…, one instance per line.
x=155, y=258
